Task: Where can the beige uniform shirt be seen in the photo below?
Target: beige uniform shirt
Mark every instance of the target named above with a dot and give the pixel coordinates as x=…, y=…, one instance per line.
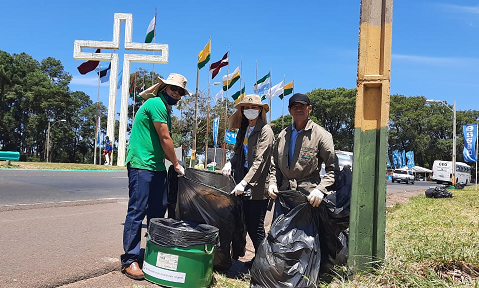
x=314, y=146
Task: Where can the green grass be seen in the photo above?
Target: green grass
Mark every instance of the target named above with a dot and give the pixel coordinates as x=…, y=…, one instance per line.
x=62, y=166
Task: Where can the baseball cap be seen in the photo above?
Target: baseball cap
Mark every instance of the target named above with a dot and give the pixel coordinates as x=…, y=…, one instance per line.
x=299, y=98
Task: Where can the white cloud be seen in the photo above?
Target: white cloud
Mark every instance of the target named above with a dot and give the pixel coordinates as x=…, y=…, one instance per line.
x=460, y=9
x=87, y=81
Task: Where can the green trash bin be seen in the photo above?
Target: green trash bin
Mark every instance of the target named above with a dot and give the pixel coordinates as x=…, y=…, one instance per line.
x=174, y=266
x=212, y=168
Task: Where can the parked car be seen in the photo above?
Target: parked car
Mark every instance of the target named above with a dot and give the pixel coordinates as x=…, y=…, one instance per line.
x=402, y=175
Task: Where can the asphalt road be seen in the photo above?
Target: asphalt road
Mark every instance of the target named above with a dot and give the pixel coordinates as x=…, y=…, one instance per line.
x=59, y=227
x=46, y=186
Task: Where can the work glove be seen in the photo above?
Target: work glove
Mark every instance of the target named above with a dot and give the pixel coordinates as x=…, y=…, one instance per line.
x=180, y=170
x=227, y=169
x=239, y=189
x=315, y=197
x=272, y=191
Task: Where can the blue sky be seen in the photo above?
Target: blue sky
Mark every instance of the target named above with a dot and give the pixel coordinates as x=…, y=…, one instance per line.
x=315, y=43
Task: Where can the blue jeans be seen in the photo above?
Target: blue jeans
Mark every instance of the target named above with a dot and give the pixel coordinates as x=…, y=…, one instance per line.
x=148, y=197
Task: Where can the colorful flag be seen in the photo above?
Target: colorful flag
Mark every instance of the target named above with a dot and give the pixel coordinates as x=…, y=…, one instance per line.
x=104, y=74
x=216, y=67
x=216, y=123
x=276, y=90
x=238, y=96
x=120, y=79
x=288, y=89
x=89, y=65
x=230, y=79
x=132, y=85
x=219, y=96
x=470, y=138
x=141, y=89
x=410, y=159
x=262, y=85
x=230, y=137
x=204, y=55
x=150, y=32
x=403, y=158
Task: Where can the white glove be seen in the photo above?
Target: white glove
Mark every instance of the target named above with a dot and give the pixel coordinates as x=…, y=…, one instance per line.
x=272, y=191
x=227, y=169
x=239, y=189
x=180, y=170
x=315, y=197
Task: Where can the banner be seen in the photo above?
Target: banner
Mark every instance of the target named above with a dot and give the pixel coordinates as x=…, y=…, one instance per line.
x=216, y=122
x=230, y=137
x=396, y=159
x=389, y=162
x=410, y=159
x=470, y=138
x=403, y=158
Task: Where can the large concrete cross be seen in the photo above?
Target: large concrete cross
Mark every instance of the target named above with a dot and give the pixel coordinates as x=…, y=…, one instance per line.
x=127, y=59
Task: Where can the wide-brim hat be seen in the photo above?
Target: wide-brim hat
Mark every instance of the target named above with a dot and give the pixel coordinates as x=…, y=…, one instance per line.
x=173, y=79
x=251, y=99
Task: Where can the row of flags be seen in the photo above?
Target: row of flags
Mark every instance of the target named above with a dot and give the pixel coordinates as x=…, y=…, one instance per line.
x=399, y=159
x=262, y=87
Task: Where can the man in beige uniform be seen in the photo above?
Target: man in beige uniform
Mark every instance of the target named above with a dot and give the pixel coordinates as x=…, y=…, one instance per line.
x=298, y=154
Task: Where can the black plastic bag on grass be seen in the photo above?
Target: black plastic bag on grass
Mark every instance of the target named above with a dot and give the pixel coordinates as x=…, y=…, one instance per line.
x=203, y=196
x=438, y=192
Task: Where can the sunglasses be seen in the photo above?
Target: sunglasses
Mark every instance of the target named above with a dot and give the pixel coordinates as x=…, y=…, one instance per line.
x=180, y=90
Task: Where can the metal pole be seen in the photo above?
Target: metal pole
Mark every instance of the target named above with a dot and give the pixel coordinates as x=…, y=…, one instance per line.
x=454, y=145
x=48, y=141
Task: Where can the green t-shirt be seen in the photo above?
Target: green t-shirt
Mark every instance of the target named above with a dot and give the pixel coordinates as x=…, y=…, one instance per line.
x=144, y=147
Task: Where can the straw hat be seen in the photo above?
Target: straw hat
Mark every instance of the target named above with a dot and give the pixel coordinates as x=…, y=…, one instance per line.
x=173, y=79
x=251, y=99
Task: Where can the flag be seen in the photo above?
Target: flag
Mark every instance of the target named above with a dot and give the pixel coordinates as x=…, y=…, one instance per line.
x=120, y=79
x=204, y=55
x=132, y=85
x=403, y=158
x=275, y=91
x=216, y=123
x=288, y=89
x=230, y=79
x=389, y=162
x=230, y=137
x=396, y=159
x=141, y=89
x=238, y=96
x=216, y=67
x=150, y=32
x=410, y=159
x=219, y=96
x=262, y=85
x=89, y=65
x=470, y=138
x=104, y=74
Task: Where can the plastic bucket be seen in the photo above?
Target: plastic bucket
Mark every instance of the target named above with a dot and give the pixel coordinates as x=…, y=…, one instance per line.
x=179, y=267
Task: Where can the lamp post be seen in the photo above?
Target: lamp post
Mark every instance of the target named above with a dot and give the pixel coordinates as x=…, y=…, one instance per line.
x=454, y=136
x=48, y=136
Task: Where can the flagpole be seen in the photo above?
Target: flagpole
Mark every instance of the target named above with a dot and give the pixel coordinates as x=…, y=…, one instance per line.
x=208, y=115
x=226, y=105
x=99, y=140
x=195, y=127
x=134, y=97
x=97, y=112
x=154, y=39
x=270, y=105
x=282, y=113
x=256, y=79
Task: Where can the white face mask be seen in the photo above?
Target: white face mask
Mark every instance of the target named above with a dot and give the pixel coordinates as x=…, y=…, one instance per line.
x=251, y=114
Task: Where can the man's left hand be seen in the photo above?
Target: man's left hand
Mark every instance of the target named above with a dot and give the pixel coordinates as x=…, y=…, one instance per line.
x=315, y=197
x=239, y=189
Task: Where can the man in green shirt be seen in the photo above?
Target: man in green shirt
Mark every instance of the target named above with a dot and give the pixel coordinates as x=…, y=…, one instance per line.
x=149, y=145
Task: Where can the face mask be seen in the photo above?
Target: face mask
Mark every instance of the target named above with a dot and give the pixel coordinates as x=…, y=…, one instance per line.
x=251, y=114
x=170, y=100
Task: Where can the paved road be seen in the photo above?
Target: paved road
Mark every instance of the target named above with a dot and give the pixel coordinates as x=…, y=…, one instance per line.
x=45, y=186
x=60, y=227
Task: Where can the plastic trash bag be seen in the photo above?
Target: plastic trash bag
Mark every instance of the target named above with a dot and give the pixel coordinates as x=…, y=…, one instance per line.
x=305, y=241
x=438, y=192
x=203, y=197
x=167, y=232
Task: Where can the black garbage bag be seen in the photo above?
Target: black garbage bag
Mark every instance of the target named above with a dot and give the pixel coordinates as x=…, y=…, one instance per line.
x=459, y=186
x=438, y=192
x=203, y=196
x=168, y=232
x=290, y=255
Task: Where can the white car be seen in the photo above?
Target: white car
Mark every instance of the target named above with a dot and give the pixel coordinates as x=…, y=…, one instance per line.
x=401, y=175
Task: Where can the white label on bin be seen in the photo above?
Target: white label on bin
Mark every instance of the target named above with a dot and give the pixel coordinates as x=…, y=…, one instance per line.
x=167, y=261
x=163, y=274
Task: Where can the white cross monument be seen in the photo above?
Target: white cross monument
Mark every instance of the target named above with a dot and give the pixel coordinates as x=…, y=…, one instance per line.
x=127, y=59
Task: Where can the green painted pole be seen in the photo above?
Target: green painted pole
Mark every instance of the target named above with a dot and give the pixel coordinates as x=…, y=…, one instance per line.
x=368, y=196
